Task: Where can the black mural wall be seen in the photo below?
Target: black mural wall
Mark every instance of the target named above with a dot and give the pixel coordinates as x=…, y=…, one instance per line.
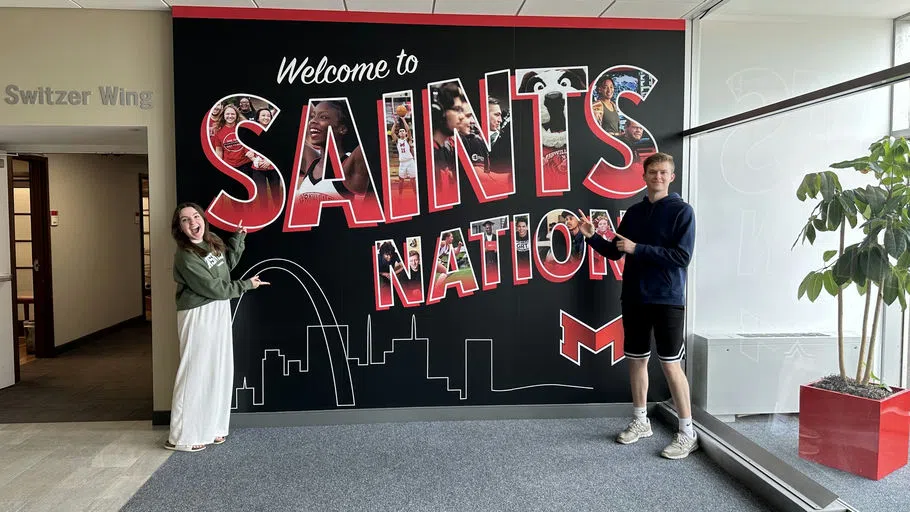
x=410, y=185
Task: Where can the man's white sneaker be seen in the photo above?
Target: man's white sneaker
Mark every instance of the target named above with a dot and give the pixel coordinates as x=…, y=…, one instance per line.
x=636, y=430
x=681, y=447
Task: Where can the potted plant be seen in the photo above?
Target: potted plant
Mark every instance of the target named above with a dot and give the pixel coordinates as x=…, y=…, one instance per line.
x=853, y=421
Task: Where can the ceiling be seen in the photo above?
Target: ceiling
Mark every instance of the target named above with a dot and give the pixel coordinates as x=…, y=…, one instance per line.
x=853, y=8
x=74, y=139
x=605, y=8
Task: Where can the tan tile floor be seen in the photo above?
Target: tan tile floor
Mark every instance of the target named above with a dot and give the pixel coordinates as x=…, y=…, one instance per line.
x=94, y=466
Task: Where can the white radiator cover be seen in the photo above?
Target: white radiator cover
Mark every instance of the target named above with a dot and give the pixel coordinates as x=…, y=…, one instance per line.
x=760, y=373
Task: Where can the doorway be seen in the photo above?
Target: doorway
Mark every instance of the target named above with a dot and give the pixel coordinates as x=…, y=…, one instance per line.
x=87, y=348
x=30, y=255
x=146, y=245
x=98, y=366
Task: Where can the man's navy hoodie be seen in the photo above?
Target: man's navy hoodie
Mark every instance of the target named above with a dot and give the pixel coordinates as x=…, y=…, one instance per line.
x=664, y=236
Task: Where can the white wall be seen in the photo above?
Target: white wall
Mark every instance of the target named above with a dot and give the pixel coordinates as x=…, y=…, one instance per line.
x=95, y=248
x=745, y=275
x=82, y=49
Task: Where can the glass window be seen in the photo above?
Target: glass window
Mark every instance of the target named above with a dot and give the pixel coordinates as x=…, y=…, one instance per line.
x=755, y=345
x=901, y=108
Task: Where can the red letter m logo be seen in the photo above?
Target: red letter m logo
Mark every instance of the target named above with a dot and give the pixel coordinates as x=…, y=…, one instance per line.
x=577, y=334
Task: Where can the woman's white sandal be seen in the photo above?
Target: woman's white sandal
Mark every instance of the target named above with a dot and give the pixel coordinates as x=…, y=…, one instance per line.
x=183, y=448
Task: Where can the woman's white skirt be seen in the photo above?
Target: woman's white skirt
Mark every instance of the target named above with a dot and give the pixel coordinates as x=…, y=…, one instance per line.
x=201, y=406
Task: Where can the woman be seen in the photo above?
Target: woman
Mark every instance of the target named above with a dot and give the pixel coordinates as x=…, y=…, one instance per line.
x=201, y=407
x=312, y=187
x=228, y=146
x=216, y=121
x=605, y=110
x=447, y=250
x=263, y=117
x=603, y=227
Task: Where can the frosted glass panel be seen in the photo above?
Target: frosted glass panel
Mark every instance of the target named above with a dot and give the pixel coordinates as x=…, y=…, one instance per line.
x=748, y=215
x=766, y=68
x=25, y=311
x=901, y=117
x=22, y=309
x=23, y=227
x=24, y=282
x=22, y=200
x=20, y=168
x=23, y=254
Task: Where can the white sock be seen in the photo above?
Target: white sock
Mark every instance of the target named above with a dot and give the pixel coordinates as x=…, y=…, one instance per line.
x=641, y=413
x=685, y=426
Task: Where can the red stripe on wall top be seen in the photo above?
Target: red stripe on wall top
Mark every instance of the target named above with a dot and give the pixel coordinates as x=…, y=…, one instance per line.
x=464, y=20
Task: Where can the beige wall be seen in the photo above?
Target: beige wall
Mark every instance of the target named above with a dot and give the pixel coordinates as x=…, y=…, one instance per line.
x=95, y=246
x=82, y=49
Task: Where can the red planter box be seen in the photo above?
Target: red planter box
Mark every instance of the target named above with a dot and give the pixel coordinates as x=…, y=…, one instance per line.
x=859, y=435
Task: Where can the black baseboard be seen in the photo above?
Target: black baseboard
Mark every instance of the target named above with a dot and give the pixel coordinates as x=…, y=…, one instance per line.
x=406, y=414
x=76, y=343
x=161, y=418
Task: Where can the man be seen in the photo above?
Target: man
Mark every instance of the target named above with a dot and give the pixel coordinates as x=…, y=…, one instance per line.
x=522, y=247
x=473, y=144
x=632, y=134
x=411, y=280
x=522, y=238
x=407, y=165
x=447, y=114
x=494, y=121
x=656, y=237
x=642, y=147
x=578, y=239
x=246, y=109
x=576, y=246
x=490, y=242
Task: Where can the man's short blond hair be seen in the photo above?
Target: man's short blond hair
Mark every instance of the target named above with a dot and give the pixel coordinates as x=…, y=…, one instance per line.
x=659, y=158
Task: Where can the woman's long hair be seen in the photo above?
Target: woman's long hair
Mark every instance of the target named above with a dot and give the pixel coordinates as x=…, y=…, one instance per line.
x=216, y=123
x=237, y=119
x=183, y=242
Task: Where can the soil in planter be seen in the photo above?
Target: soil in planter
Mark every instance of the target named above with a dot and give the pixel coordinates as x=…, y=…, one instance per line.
x=851, y=387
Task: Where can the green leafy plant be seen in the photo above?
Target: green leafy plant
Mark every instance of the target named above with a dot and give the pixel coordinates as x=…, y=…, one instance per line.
x=877, y=266
x=877, y=382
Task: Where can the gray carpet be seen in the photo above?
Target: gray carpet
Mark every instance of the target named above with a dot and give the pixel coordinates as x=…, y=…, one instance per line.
x=780, y=436
x=106, y=379
x=518, y=465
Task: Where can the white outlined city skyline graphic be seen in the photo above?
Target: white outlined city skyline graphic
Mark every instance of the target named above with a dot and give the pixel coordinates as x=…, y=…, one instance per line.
x=336, y=338
x=292, y=367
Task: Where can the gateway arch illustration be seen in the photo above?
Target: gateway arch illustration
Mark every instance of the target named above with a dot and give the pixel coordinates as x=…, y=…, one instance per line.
x=327, y=329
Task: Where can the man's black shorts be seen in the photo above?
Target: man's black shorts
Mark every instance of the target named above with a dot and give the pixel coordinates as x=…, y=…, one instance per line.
x=666, y=322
